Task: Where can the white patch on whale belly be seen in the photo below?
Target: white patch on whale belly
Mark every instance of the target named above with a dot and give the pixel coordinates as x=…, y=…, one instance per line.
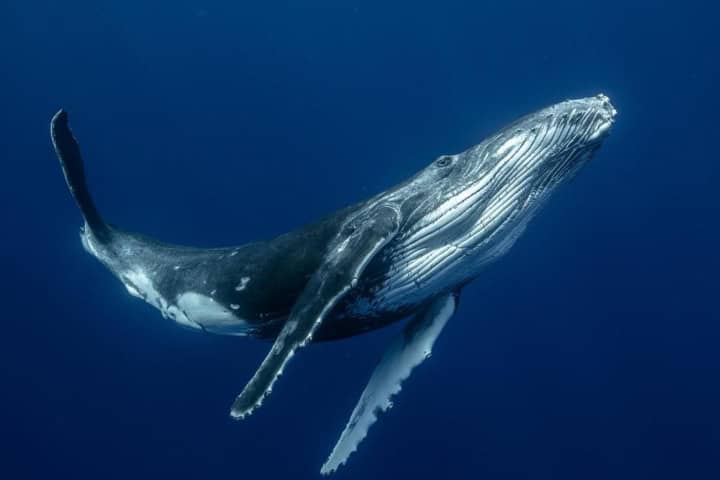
x=190, y=309
x=214, y=317
x=138, y=284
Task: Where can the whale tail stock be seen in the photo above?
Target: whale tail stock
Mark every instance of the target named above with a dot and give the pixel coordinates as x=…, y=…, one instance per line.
x=68, y=152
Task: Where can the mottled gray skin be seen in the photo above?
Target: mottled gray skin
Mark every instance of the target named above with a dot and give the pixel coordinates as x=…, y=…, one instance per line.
x=455, y=216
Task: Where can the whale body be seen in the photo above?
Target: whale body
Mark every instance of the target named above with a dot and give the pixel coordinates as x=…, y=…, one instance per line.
x=405, y=253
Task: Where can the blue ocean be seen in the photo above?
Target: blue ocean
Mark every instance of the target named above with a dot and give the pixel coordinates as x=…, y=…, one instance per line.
x=590, y=351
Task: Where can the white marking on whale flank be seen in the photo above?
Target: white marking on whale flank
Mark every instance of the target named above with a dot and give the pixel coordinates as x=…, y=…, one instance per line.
x=138, y=283
x=190, y=309
x=243, y=283
x=203, y=310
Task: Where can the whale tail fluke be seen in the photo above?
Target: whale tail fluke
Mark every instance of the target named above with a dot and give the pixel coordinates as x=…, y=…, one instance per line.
x=68, y=152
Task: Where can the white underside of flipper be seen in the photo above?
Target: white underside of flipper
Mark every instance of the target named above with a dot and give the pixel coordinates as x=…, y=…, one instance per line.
x=408, y=350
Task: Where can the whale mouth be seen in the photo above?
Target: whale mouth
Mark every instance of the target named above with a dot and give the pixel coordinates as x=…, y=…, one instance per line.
x=606, y=113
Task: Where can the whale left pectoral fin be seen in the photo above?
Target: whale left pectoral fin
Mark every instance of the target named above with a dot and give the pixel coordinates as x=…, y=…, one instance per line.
x=408, y=350
x=348, y=255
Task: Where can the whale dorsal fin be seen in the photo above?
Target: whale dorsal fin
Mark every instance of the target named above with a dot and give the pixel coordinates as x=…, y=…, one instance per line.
x=360, y=238
x=408, y=350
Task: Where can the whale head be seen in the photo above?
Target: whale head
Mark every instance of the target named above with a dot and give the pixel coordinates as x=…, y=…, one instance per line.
x=482, y=198
x=525, y=161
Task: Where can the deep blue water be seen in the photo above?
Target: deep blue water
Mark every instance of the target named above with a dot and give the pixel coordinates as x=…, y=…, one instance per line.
x=592, y=351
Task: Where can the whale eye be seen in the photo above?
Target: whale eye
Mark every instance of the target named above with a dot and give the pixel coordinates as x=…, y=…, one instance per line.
x=443, y=161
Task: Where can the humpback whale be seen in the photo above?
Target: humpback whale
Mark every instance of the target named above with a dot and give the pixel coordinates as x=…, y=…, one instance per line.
x=405, y=253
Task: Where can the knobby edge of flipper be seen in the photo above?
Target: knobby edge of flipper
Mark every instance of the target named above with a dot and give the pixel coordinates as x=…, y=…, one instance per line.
x=357, y=242
x=407, y=350
x=68, y=152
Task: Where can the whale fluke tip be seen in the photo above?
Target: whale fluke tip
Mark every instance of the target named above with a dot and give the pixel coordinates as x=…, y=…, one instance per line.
x=60, y=116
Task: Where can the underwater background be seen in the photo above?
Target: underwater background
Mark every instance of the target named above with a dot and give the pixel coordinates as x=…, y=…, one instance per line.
x=591, y=351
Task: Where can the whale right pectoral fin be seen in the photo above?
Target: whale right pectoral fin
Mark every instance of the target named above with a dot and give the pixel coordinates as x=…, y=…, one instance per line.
x=350, y=252
x=408, y=350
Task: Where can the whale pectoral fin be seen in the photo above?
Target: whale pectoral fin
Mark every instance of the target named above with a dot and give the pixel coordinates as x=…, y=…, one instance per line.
x=408, y=350
x=350, y=252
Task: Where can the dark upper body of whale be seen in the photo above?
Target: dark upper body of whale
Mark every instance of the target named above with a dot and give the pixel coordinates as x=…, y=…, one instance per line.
x=276, y=271
x=257, y=282
x=406, y=251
